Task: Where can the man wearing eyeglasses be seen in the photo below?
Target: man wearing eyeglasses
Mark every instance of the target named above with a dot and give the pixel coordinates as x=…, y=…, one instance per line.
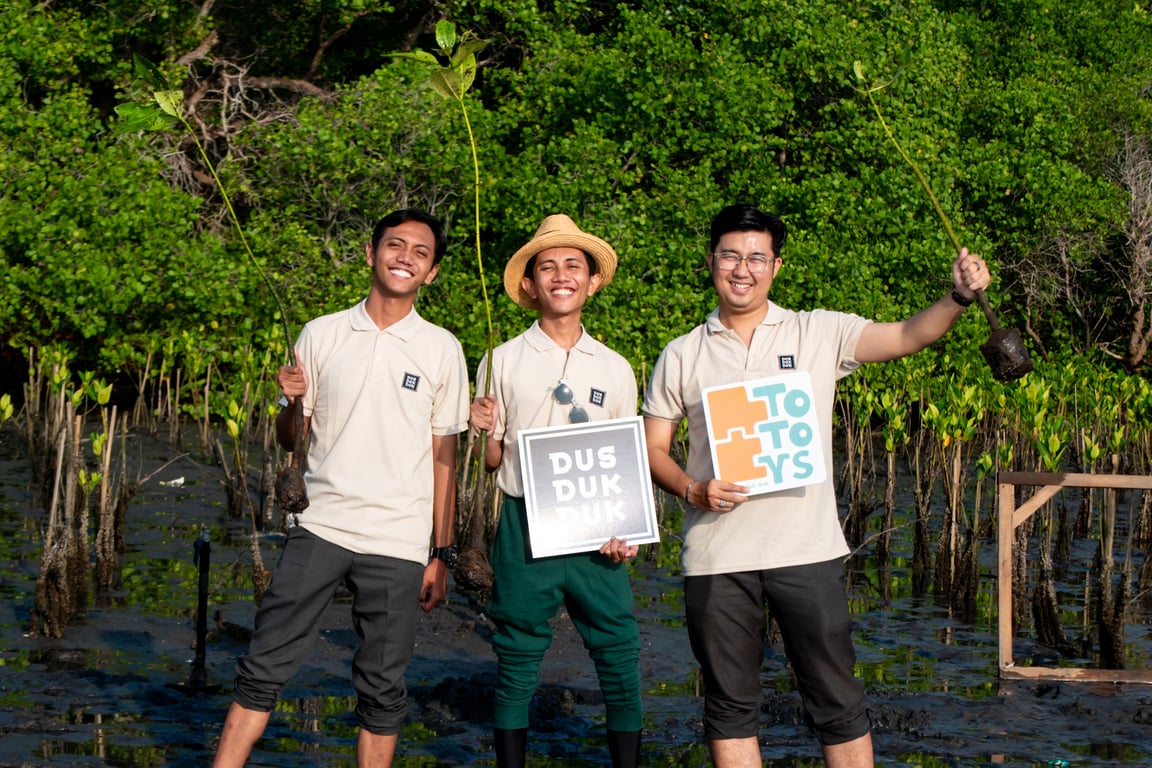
x=782, y=549
x=552, y=374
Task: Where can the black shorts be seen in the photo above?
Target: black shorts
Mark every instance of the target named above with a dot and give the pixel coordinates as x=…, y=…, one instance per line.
x=727, y=624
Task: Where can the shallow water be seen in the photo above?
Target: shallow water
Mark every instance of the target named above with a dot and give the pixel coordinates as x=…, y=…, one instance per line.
x=114, y=690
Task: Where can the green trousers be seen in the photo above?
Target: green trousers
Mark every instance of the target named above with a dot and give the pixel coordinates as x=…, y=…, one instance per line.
x=528, y=592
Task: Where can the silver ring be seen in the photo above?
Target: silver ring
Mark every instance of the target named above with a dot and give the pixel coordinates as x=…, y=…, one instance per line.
x=722, y=504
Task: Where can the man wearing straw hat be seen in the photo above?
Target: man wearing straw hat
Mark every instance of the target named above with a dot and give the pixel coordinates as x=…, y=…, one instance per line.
x=783, y=549
x=553, y=374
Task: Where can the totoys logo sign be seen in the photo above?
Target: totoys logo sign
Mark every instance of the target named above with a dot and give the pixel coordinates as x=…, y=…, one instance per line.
x=764, y=434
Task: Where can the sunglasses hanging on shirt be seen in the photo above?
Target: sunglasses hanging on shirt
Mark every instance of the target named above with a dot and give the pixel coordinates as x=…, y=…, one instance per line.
x=564, y=395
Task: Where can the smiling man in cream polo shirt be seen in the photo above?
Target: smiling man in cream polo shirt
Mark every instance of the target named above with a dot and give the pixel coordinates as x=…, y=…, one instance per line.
x=384, y=394
x=553, y=374
x=783, y=549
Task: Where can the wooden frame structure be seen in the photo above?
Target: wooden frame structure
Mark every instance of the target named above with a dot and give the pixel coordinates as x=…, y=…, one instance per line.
x=1010, y=517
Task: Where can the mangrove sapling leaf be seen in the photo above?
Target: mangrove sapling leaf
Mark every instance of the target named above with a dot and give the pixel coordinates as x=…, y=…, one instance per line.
x=140, y=117
x=1091, y=450
x=171, y=102
x=149, y=73
x=447, y=83
x=1005, y=453
x=445, y=34
x=984, y=466
x=424, y=57
x=1116, y=440
x=464, y=59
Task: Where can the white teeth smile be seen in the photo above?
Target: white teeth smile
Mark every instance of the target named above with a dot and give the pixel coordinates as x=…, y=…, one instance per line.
x=401, y=272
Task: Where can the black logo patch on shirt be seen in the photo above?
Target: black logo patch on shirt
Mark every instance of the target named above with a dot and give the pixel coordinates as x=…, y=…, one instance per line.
x=411, y=381
x=596, y=397
x=787, y=362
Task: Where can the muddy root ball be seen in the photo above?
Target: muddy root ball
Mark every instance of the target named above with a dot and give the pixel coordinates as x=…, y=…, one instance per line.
x=291, y=493
x=473, y=572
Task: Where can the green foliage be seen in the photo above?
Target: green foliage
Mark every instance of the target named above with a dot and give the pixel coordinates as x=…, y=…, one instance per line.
x=289, y=33
x=80, y=264
x=637, y=120
x=1049, y=100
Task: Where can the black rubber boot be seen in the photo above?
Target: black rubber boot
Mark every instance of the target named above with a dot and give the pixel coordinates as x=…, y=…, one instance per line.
x=624, y=747
x=510, y=744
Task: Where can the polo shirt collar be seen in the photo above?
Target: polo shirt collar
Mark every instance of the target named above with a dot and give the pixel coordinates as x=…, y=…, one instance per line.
x=541, y=342
x=774, y=316
x=404, y=329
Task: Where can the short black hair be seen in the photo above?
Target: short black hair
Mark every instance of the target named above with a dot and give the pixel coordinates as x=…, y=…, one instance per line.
x=746, y=218
x=398, y=217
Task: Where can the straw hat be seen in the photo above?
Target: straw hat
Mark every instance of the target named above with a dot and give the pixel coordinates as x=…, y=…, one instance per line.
x=557, y=231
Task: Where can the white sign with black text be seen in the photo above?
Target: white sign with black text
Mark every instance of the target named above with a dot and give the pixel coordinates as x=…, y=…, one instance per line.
x=585, y=483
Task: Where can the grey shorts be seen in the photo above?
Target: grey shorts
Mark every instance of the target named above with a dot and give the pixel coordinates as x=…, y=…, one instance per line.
x=727, y=625
x=385, y=592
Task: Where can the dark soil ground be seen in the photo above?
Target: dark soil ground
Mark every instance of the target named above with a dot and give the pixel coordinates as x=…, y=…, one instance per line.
x=114, y=690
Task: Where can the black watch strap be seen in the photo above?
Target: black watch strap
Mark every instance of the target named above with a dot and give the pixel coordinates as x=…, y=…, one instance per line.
x=447, y=554
x=960, y=299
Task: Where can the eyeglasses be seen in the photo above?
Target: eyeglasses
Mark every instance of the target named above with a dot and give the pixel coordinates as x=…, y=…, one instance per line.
x=727, y=261
x=563, y=394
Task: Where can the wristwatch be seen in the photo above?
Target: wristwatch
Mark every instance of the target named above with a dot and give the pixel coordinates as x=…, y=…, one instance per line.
x=961, y=299
x=447, y=554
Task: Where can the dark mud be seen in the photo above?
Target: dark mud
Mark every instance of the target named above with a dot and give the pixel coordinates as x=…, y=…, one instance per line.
x=114, y=690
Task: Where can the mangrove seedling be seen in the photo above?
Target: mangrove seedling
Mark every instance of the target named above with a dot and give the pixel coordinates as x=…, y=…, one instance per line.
x=164, y=109
x=452, y=71
x=1005, y=351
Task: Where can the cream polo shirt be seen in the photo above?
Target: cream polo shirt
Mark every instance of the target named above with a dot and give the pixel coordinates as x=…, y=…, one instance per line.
x=525, y=371
x=774, y=530
x=376, y=398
